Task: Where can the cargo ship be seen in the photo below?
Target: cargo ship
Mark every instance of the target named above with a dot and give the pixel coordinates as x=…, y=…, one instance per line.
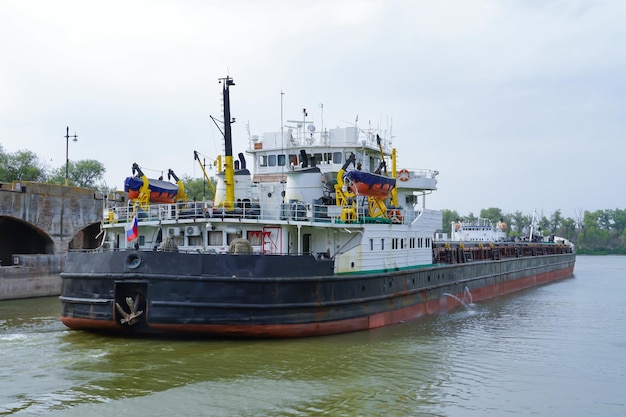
x=326, y=235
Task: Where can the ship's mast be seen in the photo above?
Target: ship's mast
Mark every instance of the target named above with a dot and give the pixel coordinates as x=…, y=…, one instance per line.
x=228, y=145
x=532, y=226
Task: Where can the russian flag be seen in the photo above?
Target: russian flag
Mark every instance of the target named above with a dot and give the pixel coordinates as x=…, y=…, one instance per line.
x=132, y=230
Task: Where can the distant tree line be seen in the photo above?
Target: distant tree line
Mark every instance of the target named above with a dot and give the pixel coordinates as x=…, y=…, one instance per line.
x=199, y=189
x=593, y=232
x=25, y=165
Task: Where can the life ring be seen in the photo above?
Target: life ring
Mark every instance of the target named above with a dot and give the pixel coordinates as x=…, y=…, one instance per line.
x=395, y=216
x=404, y=174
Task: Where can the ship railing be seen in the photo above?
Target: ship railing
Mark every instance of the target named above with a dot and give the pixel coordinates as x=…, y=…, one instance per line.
x=457, y=252
x=305, y=134
x=298, y=211
x=422, y=173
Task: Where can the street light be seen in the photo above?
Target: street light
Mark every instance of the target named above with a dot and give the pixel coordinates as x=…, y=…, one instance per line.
x=67, y=148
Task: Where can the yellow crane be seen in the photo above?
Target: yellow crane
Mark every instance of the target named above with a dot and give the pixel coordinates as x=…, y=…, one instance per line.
x=181, y=196
x=206, y=176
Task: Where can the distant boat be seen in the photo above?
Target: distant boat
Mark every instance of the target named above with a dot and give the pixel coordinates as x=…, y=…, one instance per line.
x=369, y=184
x=160, y=191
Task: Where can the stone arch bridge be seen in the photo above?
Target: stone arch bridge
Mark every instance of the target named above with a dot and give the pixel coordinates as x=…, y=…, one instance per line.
x=39, y=224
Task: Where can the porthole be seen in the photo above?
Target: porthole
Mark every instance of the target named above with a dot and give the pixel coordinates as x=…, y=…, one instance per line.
x=132, y=261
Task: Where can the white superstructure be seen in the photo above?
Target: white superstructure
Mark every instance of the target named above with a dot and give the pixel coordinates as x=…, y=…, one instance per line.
x=479, y=230
x=292, y=199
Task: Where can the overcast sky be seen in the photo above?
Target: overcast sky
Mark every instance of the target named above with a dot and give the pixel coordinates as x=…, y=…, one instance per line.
x=518, y=104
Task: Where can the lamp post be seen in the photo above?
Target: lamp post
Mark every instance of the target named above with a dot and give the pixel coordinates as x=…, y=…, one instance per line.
x=67, y=148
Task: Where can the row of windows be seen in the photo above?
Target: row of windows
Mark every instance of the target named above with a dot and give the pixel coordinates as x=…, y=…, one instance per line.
x=401, y=243
x=281, y=159
x=255, y=237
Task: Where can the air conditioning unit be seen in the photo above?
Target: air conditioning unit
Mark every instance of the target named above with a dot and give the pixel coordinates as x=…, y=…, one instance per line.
x=192, y=231
x=173, y=231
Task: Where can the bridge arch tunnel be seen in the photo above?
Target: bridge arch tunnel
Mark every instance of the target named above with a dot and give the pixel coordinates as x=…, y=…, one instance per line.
x=19, y=237
x=87, y=238
x=23, y=238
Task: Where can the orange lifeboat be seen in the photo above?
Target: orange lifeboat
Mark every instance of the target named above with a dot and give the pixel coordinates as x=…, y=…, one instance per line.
x=371, y=185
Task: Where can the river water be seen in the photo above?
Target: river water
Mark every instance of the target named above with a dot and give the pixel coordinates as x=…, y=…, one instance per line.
x=555, y=350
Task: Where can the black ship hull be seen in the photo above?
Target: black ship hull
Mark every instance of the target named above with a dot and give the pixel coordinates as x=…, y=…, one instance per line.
x=228, y=295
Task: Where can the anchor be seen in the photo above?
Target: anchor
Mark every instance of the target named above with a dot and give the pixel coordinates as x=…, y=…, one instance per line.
x=131, y=318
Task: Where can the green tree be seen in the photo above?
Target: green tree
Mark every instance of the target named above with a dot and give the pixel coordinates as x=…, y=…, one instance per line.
x=520, y=221
x=198, y=189
x=493, y=213
x=604, y=219
x=21, y=166
x=3, y=163
x=619, y=220
x=555, y=222
x=622, y=242
x=87, y=173
x=593, y=238
x=449, y=216
x=567, y=229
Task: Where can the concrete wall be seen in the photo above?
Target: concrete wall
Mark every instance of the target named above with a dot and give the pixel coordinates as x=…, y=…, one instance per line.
x=34, y=276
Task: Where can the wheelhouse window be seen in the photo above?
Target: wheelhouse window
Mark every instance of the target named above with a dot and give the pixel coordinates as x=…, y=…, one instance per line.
x=282, y=160
x=337, y=158
x=271, y=160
